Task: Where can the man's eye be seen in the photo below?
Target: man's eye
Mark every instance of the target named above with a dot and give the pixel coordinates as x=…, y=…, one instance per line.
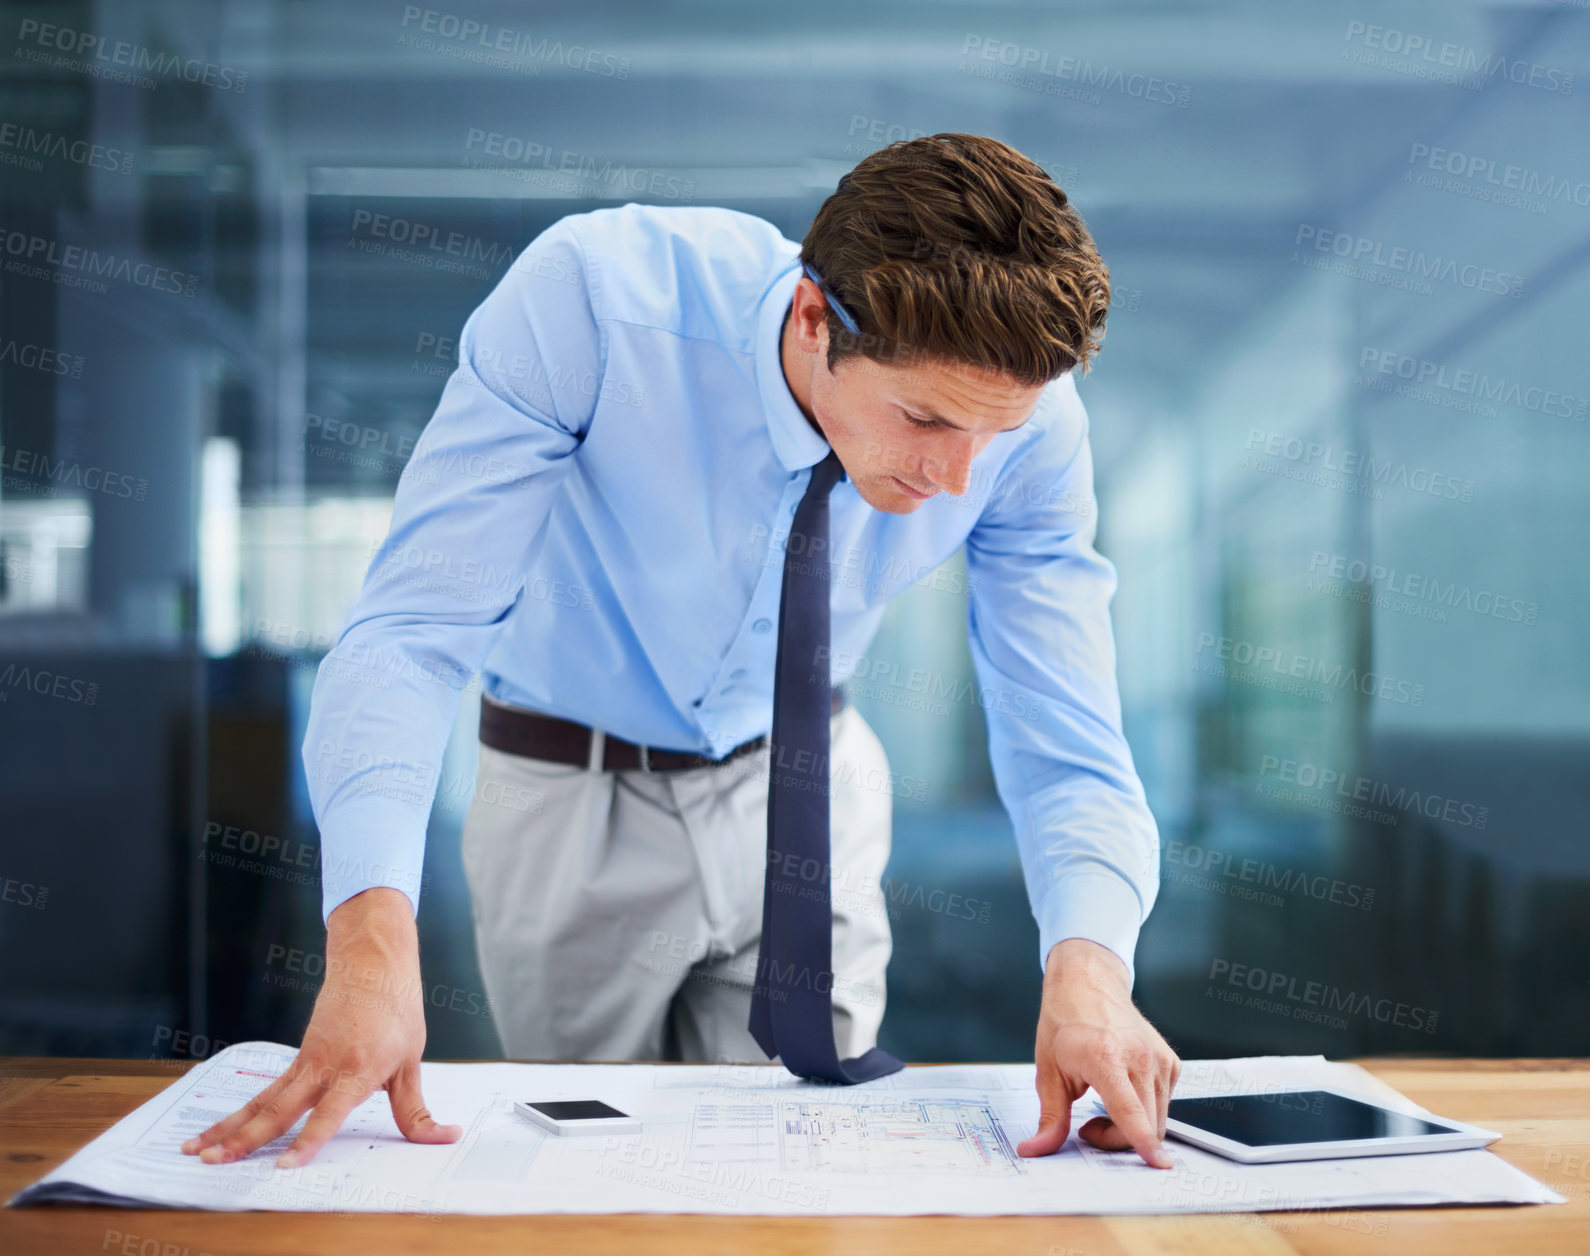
x=919, y=422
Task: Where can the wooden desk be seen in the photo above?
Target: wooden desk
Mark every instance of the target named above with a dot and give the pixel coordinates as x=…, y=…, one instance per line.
x=49, y=1108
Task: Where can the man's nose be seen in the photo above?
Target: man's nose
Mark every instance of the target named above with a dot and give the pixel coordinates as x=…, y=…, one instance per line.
x=951, y=471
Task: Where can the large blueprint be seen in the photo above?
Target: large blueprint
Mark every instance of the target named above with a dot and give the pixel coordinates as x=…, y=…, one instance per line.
x=746, y=1139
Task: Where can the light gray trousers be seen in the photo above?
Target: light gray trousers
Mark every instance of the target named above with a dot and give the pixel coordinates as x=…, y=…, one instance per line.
x=618, y=918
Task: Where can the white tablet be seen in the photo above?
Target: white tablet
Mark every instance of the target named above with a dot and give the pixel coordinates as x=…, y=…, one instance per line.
x=1311, y=1125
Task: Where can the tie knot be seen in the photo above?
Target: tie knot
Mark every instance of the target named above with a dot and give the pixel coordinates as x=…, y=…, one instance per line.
x=825, y=475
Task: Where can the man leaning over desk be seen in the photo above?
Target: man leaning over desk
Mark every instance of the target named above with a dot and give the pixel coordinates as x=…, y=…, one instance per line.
x=681, y=467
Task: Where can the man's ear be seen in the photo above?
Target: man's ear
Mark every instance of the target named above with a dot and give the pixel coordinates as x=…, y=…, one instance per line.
x=809, y=306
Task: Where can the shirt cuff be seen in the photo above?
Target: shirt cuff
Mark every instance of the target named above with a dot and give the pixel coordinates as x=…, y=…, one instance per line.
x=369, y=845
x=1102, y=908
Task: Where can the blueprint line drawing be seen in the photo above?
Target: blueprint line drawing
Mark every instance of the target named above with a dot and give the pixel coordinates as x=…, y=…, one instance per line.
x=889, y=1135
x=935, y=1136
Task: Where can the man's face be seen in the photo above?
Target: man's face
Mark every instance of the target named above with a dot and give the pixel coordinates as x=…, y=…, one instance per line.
x=898, y=428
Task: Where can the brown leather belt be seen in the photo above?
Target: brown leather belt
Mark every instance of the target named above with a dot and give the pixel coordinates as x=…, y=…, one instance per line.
x=515, y=730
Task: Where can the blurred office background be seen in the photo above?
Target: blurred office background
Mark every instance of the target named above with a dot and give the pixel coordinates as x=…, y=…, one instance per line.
x=1340, y=421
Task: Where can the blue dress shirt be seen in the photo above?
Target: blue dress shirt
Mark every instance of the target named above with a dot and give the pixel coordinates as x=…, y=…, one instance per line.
x=594, y=521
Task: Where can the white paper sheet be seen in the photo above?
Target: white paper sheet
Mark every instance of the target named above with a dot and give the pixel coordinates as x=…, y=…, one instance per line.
x=747, y=1139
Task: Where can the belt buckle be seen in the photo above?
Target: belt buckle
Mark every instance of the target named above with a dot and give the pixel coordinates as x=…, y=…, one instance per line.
x=645, y=758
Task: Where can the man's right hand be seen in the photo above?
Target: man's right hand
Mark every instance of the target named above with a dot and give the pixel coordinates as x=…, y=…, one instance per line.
x=367, y=1033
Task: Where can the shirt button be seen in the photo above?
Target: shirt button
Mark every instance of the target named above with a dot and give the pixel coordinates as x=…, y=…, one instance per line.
x=761, y=625
x=737, y=674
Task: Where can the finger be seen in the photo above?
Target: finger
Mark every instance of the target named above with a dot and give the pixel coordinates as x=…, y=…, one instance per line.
x=1146, y=1084
x=1143, y=1075
x=1104, y=1134
x=273, y=1119
x=409, y=1111
x=227, y=1124
x=1125, y=1107
x=323, y=1122
x=1054, y=1114
x=277, y=1092
x=1167, y=1083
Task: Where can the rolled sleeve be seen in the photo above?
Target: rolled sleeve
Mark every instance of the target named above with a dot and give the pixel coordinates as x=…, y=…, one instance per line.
x=476, y=491
x=1044, y=655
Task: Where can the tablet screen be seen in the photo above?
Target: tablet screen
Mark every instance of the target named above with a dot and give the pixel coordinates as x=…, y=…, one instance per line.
x=1297, y=1116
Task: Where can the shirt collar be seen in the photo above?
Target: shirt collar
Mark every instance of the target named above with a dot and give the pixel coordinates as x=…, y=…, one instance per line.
x=797, y=443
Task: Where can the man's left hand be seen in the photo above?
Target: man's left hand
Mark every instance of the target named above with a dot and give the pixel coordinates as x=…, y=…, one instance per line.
x=1090, y=1034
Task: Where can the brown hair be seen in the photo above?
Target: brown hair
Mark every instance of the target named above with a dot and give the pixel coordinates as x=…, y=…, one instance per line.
x=957, y=248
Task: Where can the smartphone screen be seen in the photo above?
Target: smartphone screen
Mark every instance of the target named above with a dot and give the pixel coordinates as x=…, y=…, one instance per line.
x=576, y=1110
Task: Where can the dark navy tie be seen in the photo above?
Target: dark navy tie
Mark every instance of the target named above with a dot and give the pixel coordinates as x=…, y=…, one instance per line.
x=792, y=1010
